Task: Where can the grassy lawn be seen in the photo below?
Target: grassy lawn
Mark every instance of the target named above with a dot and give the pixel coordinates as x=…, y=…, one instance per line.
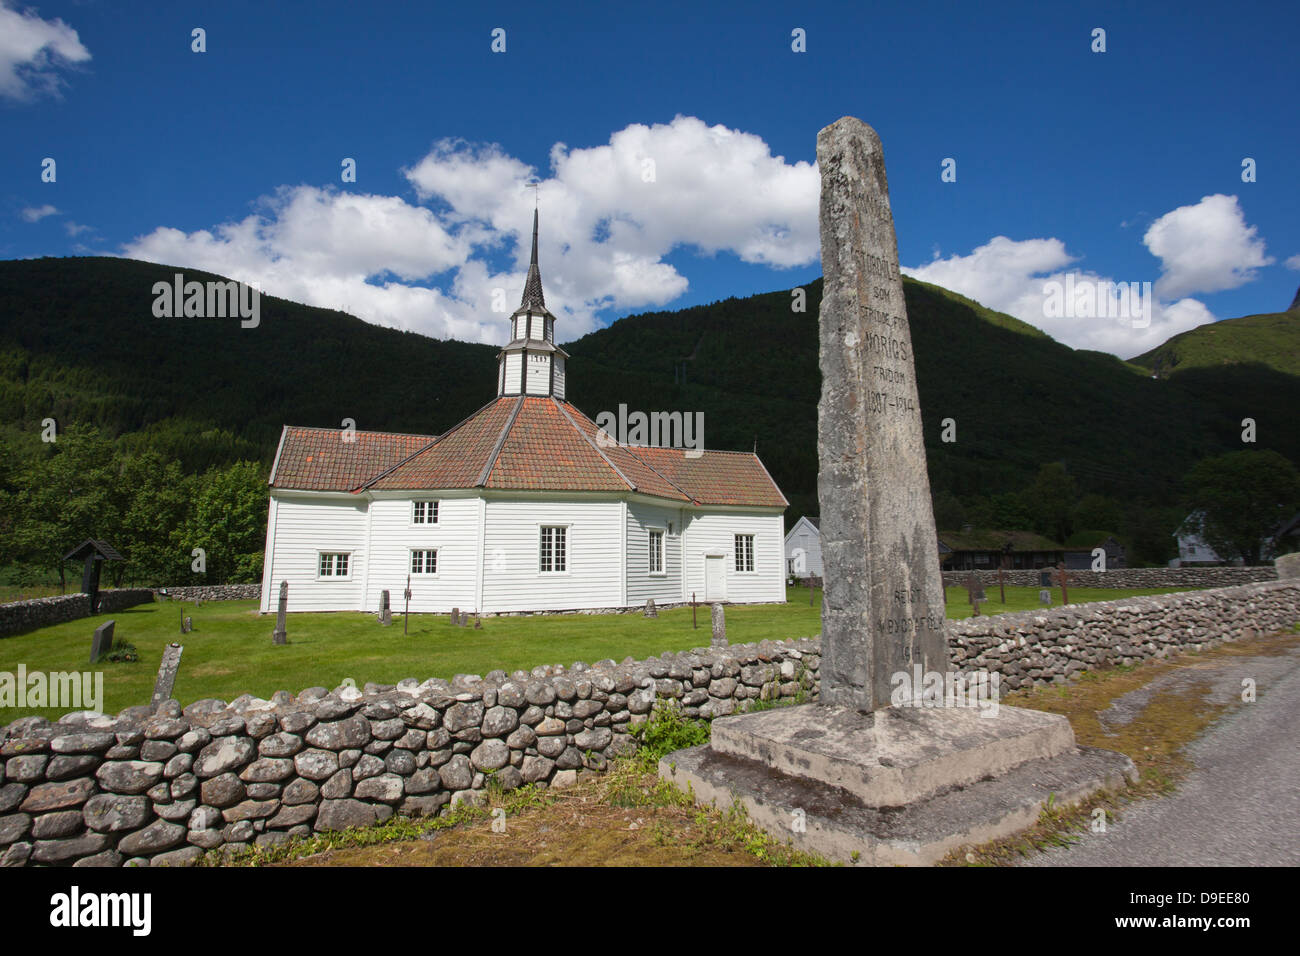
x=230, y=651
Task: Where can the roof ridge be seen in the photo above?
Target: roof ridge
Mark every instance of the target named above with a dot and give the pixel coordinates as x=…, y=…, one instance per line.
x=689, y=497
x=587, y=438
x=360, y=431
x=500, y=442
x=437, y=438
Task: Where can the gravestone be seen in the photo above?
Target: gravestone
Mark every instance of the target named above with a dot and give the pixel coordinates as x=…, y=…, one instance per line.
x=102, y=642
x=882, y=597
x=901, y=756
x=650, y=608
x=464, y=620
x=187, y=625
x=162, y=688
x=455, y=615
x=279, y=636
x=719, y=620
x=1045, y=596
x=385, y=611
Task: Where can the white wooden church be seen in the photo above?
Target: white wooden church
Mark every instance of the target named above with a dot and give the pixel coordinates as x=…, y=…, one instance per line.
x=520, y=507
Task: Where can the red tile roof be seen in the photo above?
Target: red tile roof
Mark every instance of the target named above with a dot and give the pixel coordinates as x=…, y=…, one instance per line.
x=318, y=459
x=716, y=477
x=525, y=443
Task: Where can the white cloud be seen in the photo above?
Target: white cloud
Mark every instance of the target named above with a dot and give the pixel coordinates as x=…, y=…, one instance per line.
x=1206, y=247
x=605, y=231
x=32, y=50
x=1203, y=247
x=1294, y=263
x=37, y=213
x=75, y=228
x=1013, y=277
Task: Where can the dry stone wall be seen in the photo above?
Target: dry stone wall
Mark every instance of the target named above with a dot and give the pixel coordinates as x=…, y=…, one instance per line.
x=1039, y=647
x=1127, y=577
x=212, y=592
x=92, y=790
x=163, y=789
x=21, y=616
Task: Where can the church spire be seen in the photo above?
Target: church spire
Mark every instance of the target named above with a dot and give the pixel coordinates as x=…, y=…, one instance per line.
x=533, y=286
x=531, y=363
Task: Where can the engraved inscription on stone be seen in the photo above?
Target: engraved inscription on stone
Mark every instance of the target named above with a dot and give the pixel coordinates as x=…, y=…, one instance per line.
x=882, y=609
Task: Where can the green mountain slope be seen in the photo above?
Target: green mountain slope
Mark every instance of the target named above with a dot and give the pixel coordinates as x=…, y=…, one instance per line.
x=79, y=342
x=1271, y=339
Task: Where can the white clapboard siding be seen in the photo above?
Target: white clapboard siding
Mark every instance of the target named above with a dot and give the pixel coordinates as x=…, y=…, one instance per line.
x=304, y=527
x=393, y=536
x=512, y=580
x=539, y=373
x=559, y=377
x=514, y=362
x=715, y=534
x=641, y=518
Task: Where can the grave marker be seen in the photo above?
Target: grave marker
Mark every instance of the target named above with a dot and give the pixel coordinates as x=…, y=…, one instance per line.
x=718, y=617
x=385, y=611
x=102, y=642
x=162, y=688
x=650, y=608
x=279, y=636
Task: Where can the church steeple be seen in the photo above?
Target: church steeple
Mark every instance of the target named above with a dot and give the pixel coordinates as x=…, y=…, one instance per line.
x=531, y=363
x=533, y=286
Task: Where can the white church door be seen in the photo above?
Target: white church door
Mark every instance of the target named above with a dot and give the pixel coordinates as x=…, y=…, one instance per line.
x=715, y=577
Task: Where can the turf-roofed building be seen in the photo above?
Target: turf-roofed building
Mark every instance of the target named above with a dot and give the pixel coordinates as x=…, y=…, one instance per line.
x=524, y=506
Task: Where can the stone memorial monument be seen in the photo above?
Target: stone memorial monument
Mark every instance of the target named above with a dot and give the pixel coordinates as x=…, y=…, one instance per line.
x=650, y=608
x=880, y=772
x=385, y=610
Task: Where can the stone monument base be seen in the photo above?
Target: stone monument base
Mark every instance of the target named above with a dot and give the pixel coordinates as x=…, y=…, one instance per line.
x=901, y=786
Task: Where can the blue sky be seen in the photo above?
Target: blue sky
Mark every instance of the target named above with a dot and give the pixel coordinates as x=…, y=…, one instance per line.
x=1119, y=166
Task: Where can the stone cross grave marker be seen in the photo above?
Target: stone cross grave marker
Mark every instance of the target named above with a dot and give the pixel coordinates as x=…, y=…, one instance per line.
x=162, y=688
x=882, y=597
x=278, y=636
x=719, y=620
x=102, y=642
x=385, y=610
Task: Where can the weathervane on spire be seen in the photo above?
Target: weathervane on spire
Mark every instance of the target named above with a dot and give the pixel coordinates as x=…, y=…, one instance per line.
x=536, y=186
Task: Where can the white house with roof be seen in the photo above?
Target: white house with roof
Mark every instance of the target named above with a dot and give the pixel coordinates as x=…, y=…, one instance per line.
x=523, y=506
x=803, y=548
